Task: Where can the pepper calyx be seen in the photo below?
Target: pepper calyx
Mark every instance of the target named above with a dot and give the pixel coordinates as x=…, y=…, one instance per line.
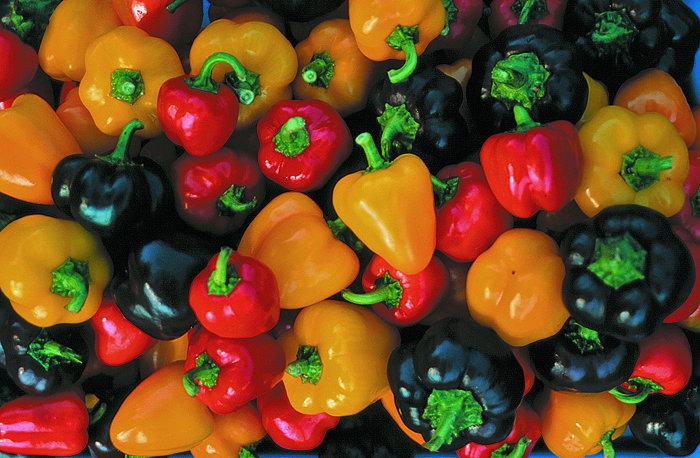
x=618, y=260
x=224, y=278
x=231, y=202
x=246, y=85
x=292, y=138
x=529, y=10
x=72, y=279
x=203, y=80
x=451, y=11
x=404, y=38
x=613, y=32
x=49, y=353
x=308, y=366
x=399, y=129
x=519, y=79
x=205, y=373
x=388, y=290
x=450, y=412
x=585, y=339
x=127, y=85
x=319, y=71
x=641, y=167
x=444, y=190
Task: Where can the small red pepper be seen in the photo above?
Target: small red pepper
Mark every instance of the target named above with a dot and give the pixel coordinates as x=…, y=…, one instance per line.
x=302, y=143
x=235, y=296
x=536, y=167
x=469, y=217
x=176, y=22
x=226, y=373
x=53, y=425
x=398, y=298
x=18, y=64
x=216, y=193
x=505, y=13
x=289, y=428
x=689, y=215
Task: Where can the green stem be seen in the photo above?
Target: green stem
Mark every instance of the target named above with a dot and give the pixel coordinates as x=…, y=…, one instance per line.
x=587, y=340
x=641, y=167
x=292, y=138
x=388, y=290
x=174, y=5
x=516, y=450
x=529, y=10
x=204, y=82
x=523, y=120
x=613, y=32
x=444, y=190
x=97, y=412
x=224, y=278
x=231, y=202
x=246, y=86
x=404, y=38
x=449, y=413
x=72, y=279
x=337, y=227
x=126, y=85
x=205, y=373
x=375, y=161
x=399, y=129
x=308, y=366
x=519, y=79
x=319, y=71
x=618, y=260
x=451, y=11
x=120, y=156
x=635, y=390
x=49, y=353
x=244, y=452
x=606, y=443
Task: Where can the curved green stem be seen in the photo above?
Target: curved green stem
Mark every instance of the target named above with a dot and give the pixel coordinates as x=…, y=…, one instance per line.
x=174, y=5
x=126, y=85
x=451, y=11
x=635, y=390
x=308, y=366
x=516, y=450
x=232, y=201
x=523, y=120
x=224, y=278
x=404, y=39
x=388, y=290
x=203, y=80
x=529, y=10
x=319, y=71
x=119, y=155
x=587, y=340
x=606, y=443
x=375, y=161
x=292, y=138
x=49, y=353
x=449, y=413
x=399, y=129
x=72, y=279
x=444, y=190
x=205, y=373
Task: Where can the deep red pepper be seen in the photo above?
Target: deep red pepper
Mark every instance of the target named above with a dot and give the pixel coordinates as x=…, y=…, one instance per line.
x=226, y=373
x=177, y=28
x=461, y=23
x=18, y=64
x=289, y=428
x=302, y=143
x=536, y=167
x=505, y=13
x=235, y=296
x=399, y=298
x=689, y=215
x=53, y=425
x=469, y=217
x=117, y=340
x=217, y=192
x=692, y=302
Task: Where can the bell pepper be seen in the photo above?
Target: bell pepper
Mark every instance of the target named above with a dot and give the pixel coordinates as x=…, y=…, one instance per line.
x=28, y=165
x=124, y=69
x=56, y=271
x=387, y=30
x=289, y=428
x=301, y=10
x=598, y=97
x=517, y=298
x=626, y=271
x=458, y=383
x=536, y=167
x=292, y=238
x=390, y=406
x=332, y=68
x=688, y=217
x=73, y=25
x=19, y=64
x=198, y=112
x=79, y=122
x=162, y=353
x=631, y=158
x=266, y=54
x=689, y=311
x=302, y=143
x=505, y=13
x=27, y=18
x=175, y=22
x=217, y=193
x=226, y=373
x=398, y=298
x=235, y=296
x=461, y=23
x=531, y=65
x=159, y=418
x=102, y=408
x=575, y=425
x=53, y=425
x=117, y=341
x=235, y=434
x=664, y=366
x=336, y=356
x=379, y=205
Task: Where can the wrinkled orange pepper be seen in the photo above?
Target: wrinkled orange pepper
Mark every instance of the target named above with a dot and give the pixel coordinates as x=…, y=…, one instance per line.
x=79, y=122
x=232, y=432
x=291, y=236
x=516, y=297
x=34, y=140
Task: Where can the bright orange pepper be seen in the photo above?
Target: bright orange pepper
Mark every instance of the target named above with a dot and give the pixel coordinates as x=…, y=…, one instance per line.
x=232, y=432
x=79, y=122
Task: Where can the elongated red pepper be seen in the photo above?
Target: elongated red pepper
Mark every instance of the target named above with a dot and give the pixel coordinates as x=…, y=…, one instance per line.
x=226, y=373
x=302, y=143
x=18, y=64
x=53, y=425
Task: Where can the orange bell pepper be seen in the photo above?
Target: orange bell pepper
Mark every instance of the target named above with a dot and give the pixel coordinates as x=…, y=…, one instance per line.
x=124, y=69
x=79, y=122
x=34, y=140
x=519, y=299
x=266, y=54
x=598, y=97
x=291, y=237
x=72, y=27
x=55, y=270
x=159, y=418
x=232, y=433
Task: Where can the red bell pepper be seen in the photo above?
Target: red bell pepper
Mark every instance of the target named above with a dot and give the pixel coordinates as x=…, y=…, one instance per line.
x=398, y=298
x=289, y=428
x=177, y=28
x=216, y=193
x=536, y=167
x=664, y=366
x=462, y=21
x=117, y=340
x=18, y=64
x=505, y=13
x=235, y=296
x=469, y=217
x=226, y=373
x=302, y=143
x=689, y=215
x=52, y=425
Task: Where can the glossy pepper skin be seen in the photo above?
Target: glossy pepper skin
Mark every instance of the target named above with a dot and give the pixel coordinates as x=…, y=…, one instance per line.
x=226, y=373
x=53, y=425
x=101, y=415
x=302, y=143
x=626, y=271
x=458, y=384
x=532, y=65
x=79, y=122
x=235, y=296
x=19, y=62
x=535, y=167
x=505, y=13
x=336, y=356
x=177, y=26
x=300, y=10
x=235, y=434
x=56, y=270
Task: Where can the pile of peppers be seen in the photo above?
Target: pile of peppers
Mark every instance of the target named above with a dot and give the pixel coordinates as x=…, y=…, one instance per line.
x=349, y=228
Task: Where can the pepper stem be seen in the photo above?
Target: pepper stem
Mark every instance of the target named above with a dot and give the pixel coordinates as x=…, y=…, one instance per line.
x=307, y=366
x=174, y=5
x=243, y=452
x=618, y=260
x=246, y=86
x=519, y=79
x=374, y=157
x=641, y=168
x=606, y=443
x=404, y=38
x=516, y=450
x=523, y=120
x=292, y=138
x=119, y=155
x=49, y=353
x=388, y=290
x=72, y=279
x=126, y=85
x=399, y=129
x=444, y=190
x=529, y=10
x=204, y=82
x=635, y=390
x=450, y=412
x=231, y=201
x=205, y=373
x=451, y=11
x=587, y=340
x=224, y=278
x=319, y=71
x=613, y=32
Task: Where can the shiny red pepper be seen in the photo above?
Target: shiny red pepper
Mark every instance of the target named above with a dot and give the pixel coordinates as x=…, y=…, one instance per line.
x=399, y=298
x=689, y=215
x=18, y=64
x=235, y=296
x=302, y=143
x=216, y=193
x=178, y=28
x=52, y=425
x=536, y=167
x=505, y=13
x=226, y=373
x=289, y=428
x=469, y=217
